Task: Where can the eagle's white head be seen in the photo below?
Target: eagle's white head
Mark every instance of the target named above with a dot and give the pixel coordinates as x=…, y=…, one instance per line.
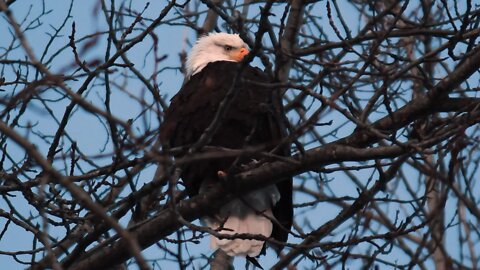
x=215, y=47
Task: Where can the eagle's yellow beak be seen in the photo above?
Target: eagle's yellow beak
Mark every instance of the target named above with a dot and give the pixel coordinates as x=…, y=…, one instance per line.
x=239, y=54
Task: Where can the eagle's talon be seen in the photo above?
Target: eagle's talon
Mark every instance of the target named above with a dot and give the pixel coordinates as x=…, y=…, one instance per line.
x=221, y=174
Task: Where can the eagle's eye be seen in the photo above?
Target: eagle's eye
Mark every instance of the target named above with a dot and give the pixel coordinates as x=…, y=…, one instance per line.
x=228, y=48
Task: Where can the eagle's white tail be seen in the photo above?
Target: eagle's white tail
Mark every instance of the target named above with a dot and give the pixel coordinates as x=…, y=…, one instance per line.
x=251, y=223
x=239, y=218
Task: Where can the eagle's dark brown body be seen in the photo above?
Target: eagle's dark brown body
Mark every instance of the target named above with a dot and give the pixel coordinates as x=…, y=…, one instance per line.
x=253, y=119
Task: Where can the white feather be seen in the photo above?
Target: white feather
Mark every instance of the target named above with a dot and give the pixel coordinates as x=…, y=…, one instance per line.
x=207, y=50
x=240, y=218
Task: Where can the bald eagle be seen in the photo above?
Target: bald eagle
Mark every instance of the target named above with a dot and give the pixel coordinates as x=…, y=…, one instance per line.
x=253, y=119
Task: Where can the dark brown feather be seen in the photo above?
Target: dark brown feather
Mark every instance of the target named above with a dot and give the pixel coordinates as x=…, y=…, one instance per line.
x=253, y=119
